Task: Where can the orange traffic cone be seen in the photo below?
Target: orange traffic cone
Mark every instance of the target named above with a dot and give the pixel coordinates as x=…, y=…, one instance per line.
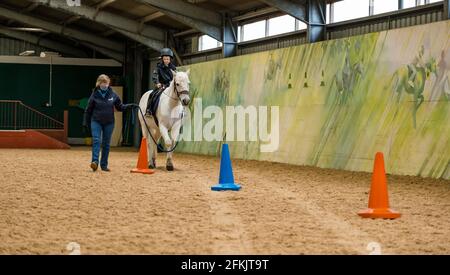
x=378, y=199
x=142, y=164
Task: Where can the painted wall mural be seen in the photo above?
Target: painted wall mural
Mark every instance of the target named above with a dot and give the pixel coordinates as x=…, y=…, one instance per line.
x=340, y=101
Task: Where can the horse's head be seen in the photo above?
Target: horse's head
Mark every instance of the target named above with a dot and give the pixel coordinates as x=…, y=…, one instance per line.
x=181, y=82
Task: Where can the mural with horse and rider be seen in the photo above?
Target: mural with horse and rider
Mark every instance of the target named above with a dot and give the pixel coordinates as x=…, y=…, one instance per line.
x=342, y=100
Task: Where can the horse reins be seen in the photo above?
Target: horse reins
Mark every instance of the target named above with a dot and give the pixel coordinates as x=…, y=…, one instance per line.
x=178, y=93
x=150, y=133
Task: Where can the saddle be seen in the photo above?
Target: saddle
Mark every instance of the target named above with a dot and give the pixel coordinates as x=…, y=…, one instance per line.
x=152, y=104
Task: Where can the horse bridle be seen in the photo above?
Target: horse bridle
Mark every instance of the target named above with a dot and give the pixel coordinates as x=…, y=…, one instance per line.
x=185, y=92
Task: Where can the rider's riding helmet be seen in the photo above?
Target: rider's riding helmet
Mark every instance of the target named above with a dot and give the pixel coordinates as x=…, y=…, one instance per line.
x=166, y=52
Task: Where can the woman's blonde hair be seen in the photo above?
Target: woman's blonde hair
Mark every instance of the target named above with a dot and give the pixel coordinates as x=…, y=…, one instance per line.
x=103, y=78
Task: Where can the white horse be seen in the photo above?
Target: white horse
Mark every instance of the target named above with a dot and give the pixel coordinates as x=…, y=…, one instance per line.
x=169, y=114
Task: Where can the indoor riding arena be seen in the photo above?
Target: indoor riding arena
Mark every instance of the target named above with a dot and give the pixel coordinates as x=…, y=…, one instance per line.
x=234, y=127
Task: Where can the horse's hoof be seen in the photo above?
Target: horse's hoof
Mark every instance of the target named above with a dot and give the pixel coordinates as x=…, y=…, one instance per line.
x=152, y=164
x=169, y=168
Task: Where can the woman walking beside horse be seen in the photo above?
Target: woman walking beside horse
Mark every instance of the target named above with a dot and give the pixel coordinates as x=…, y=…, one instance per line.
x=99, y=118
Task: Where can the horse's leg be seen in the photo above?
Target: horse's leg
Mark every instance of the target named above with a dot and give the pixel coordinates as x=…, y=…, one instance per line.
x=154, y=149
x=168, y=143
x=151, y=157
x=165, y=135
x=174, y=133
x=150, y=134
x=169, y=162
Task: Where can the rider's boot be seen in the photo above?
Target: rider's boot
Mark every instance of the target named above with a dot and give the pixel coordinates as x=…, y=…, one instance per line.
x=148, y=111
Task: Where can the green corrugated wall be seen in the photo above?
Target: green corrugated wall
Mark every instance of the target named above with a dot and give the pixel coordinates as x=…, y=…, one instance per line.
x=30, y=84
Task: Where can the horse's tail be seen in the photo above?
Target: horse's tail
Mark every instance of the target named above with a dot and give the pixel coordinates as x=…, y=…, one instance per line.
x=142, y=109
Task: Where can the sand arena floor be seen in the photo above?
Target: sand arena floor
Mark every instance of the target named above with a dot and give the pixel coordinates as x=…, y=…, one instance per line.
x=49, y=198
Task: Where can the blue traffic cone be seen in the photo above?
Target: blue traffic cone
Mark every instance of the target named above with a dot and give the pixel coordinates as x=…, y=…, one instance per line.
x=226, y=179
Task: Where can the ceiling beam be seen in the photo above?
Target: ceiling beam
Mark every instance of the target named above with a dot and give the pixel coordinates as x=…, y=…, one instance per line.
x=151, y=43
x=206, y=21
x=104, y=3
x=186, y=32
x=294, y=9
x=114, y=55
x=108, y=32
x=213, y=31
x=186, y=9
x=107, y=18
x=98, y=6
x=61, y=30
x=151, y=17
x=43, y=42
x=254, y=14
x=30, y=8
x=71, y=19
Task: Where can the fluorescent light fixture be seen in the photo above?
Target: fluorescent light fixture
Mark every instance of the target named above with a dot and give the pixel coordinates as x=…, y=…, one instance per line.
x=26, y=53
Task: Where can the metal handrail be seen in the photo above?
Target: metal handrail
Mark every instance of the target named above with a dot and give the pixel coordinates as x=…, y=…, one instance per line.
x=15, y=115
